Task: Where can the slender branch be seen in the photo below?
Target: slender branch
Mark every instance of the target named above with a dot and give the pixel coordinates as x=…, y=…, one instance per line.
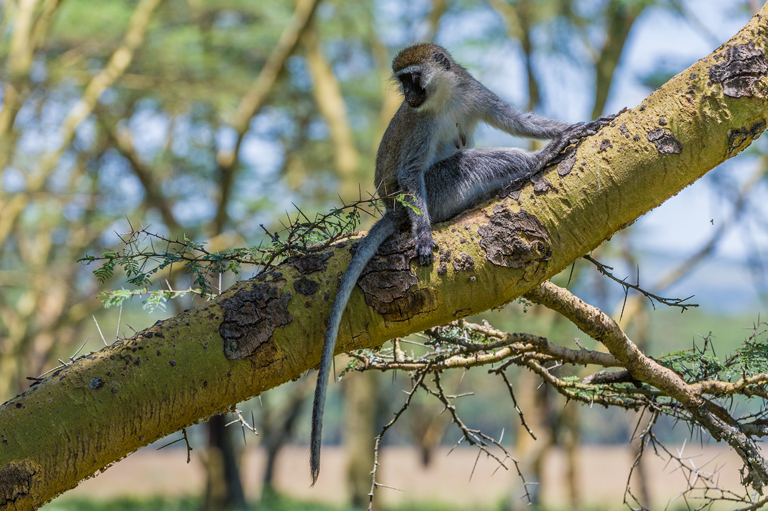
x=419, y=377
x=671, y=302
x=594, y=322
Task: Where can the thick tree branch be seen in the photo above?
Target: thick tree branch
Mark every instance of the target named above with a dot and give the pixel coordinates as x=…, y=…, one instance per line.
x=595, y=323
x=269, y=330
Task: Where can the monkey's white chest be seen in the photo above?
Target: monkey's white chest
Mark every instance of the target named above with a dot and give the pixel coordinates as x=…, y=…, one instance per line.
x=454, y=134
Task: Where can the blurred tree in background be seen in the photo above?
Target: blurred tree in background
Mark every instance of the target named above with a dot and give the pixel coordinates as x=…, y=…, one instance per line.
x=210, y=119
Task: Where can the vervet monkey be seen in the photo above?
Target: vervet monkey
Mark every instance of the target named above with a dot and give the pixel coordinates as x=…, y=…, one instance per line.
x=425, y=154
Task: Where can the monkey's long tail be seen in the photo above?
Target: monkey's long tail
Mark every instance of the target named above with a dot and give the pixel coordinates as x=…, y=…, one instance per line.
x=365, y=251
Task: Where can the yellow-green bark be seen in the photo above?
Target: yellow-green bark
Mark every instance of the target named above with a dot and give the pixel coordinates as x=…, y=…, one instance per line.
x=85, y=417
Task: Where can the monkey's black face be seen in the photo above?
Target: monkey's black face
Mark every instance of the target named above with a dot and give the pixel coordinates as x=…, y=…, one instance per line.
x=414, y=93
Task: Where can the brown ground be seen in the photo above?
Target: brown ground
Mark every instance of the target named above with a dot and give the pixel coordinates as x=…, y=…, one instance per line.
x=602, y=476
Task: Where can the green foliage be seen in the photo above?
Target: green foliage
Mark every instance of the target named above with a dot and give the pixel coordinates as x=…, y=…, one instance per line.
x=404, y=200
x=701, y=363
x=141, y=262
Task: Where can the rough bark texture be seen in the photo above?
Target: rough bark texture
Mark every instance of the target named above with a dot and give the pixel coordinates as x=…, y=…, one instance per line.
x=261, y=333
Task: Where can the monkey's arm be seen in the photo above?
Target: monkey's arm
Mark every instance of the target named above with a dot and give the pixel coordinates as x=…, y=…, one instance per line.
x=503, y=116
x=410, y=178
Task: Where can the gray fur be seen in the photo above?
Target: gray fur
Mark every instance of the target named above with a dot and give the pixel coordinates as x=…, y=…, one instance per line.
x=425, y=153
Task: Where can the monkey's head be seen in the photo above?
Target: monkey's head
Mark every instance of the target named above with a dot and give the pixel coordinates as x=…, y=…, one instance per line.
x=423, y=70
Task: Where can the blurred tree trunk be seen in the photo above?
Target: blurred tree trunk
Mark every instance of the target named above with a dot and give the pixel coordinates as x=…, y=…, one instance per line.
x=390, y=94
x=427, y=430
x=433, y=21
x=360, y=398
x=621, y=16
x=330, y=102
x=277, y=428
x=519, y=20
x=254, y=100
x=29, y=29
x=570, y=438
x=223, y=489
x=534, y=400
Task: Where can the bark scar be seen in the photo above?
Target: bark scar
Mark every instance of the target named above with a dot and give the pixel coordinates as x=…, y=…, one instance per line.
x=516, y=240
x=251, y=316
x=310, y=263
x=463, y=263
x=743, y=66
x=389, y=284
x=665, y=141
x=16, y=479
x=306, y=286
x=740, y=139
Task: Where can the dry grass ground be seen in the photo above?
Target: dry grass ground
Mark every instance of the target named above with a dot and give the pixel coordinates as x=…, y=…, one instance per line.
x=602, y=476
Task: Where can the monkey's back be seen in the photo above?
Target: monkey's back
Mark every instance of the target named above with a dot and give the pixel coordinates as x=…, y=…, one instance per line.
x=389, y=154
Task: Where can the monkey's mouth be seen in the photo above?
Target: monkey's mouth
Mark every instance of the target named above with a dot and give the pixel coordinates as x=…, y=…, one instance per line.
x=414, y=93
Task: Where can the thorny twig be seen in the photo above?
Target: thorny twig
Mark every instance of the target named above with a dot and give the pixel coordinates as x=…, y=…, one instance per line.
x=243, y=423
x=72, y=359
x=701, y=485
x=293, y=238
x=141, y=260
x=475, y=437
x=514, y=403
x=604, y=269
x=186, y=441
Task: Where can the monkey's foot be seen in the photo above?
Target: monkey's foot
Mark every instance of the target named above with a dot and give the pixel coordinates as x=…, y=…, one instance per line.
x=424, y=246
x=594, y=126
x=568, y=136
x=576, y=132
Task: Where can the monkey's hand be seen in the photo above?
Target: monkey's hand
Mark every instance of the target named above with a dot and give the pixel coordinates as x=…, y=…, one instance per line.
x=424, y=246
x=570, y=135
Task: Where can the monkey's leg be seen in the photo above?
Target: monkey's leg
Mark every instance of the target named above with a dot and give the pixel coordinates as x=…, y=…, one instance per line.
x=475, y=175
x=413, y=184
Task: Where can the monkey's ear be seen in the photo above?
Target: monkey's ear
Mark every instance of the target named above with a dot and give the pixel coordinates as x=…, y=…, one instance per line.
x=442, y=59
